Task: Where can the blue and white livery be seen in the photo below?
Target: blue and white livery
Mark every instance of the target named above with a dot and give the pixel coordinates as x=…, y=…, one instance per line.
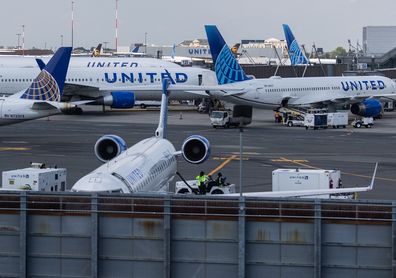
x=297, y=57
x=363, y=93
x=147, y=166
x=41, y=98
x=101, y=79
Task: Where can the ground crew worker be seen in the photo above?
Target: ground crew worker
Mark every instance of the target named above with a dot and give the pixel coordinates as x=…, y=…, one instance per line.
x=220, y=180
x=202, y=178
x=210, y=184
x=277, y=117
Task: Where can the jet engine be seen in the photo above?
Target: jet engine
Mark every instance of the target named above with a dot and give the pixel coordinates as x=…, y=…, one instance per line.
x=367, y=108
x=118, y=100
x=108, y=147
x=196, y=149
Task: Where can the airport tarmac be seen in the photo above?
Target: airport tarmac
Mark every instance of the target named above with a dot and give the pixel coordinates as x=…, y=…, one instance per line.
x=67, y=141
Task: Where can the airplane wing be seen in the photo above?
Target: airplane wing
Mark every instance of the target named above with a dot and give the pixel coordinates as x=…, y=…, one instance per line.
x=48, y=105
x=43, y=105
x=307, y=193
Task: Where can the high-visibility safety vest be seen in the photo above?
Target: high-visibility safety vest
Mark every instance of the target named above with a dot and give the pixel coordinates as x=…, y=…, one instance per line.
x=201, y=179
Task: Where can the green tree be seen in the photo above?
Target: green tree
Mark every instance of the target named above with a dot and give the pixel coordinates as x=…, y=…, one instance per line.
x=339, y=51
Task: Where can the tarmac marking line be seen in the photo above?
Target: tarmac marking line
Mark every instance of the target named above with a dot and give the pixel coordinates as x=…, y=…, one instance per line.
x=226, y=158
x=14, y=149
x=221, y=166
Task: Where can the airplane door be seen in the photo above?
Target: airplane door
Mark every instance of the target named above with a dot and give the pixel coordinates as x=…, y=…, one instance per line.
x=257, y=93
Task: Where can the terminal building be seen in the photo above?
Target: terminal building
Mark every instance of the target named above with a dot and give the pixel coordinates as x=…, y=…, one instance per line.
x=377, y=54
x=199, y=49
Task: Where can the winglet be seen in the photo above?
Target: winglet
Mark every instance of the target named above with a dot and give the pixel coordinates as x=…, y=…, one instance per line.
x=163, y=121
x=40, y=64
x=371, y=186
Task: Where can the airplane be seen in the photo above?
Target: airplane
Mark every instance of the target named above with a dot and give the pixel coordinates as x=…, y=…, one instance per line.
x=297, y=57
x=42, y=97
x=97, y=51
x=362, y=92
x=147, y=166
x=107, y=81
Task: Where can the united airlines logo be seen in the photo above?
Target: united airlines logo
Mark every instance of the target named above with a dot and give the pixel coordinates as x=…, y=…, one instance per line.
x=363, y=85
x=227, y=68
x=112, y=64
x=145, y=77
x=199, y=51
x=44, y=87
x=296, y=55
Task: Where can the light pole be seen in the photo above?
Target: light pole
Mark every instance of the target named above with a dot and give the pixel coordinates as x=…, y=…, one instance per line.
x=61, y=37
x=72, y=24
x=116, y=26
x=19, y=40
x=145, y=42
x=23, y=39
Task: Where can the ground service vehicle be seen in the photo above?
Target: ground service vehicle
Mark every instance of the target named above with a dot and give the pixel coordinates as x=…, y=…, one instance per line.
x=315, y=121
x=36, y=178
x=241, y=115
x=307, y=179
x=366, y=122
x=182, y=188
x=337, y=119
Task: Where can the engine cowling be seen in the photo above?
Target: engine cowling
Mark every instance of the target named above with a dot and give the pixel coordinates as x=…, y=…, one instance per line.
x=118, y=100
x=108, y=147
x=367, y=108
x=196, y=149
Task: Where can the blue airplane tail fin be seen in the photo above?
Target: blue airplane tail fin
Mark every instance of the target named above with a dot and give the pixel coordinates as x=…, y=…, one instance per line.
x=297, y=57
x=225, y=65
x=136, y=49
x=48, y=85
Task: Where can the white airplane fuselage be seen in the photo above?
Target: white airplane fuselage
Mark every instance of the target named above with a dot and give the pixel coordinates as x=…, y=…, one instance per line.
x=146, y=166
x=91, y=75
x=15, y=110
x=271, y=92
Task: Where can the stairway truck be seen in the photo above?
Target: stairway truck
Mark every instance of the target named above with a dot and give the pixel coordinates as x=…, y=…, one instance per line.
x=240, y=116
x=337, y=119
x=306, y=179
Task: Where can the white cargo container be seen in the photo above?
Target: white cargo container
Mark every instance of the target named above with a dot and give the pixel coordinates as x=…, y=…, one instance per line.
x=337, y=119
x=35, y=179
x=305, y=179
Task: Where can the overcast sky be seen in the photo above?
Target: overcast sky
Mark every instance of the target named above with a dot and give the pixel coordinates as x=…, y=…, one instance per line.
x=330, y=23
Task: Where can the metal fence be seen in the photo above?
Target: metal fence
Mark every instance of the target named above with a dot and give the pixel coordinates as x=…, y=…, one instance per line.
x=69, y=235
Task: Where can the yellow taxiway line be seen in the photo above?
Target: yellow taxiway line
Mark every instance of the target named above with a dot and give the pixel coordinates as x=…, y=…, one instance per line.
x=14, y=149
x=221, y=166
